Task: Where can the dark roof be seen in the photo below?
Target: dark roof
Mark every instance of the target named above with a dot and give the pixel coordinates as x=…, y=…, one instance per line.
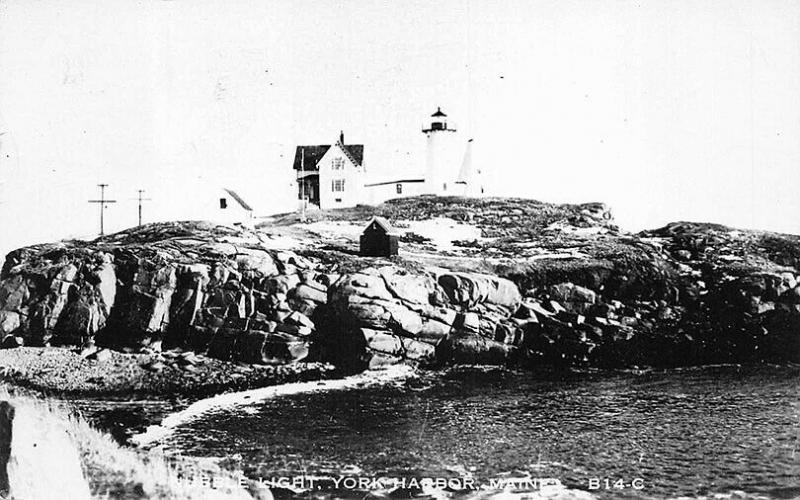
x=383, y=223
x=355, y=152
x=311, y=155
x=438, y=113
x=238, y=199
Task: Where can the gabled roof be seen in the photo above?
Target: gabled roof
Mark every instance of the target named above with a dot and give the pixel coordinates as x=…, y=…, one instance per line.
x=383, y=223
x=311, y=155
x=438, y=113
x=238, y=199
x=354, y=151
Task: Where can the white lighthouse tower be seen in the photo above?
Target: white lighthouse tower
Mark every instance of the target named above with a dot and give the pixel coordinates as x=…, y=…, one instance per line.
x=445, y=152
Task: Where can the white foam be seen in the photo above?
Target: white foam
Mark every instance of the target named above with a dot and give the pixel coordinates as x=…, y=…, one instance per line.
x=155, y=433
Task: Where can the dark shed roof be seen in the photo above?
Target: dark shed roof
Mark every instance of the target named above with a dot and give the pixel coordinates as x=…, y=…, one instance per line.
x=382, y=223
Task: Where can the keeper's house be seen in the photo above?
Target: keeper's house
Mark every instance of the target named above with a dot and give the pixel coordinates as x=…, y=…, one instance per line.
x=330, y=176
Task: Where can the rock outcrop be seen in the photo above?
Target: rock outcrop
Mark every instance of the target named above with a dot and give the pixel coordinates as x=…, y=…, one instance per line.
x=389, y=314
x=211, y=289
x=560, y=287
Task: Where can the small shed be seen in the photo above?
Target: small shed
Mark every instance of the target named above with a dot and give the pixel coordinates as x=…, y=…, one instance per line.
x=379, y=239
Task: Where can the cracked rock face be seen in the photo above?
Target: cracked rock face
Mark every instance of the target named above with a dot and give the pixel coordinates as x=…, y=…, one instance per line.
x=182, y=285
x=685, y=294
x=206, y=288
x=390, y=315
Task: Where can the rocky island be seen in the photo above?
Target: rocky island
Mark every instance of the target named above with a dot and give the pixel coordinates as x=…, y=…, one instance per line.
x=192, y=307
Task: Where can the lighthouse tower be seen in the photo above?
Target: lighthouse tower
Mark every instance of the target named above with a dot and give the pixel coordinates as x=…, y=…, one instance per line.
x=445, y=152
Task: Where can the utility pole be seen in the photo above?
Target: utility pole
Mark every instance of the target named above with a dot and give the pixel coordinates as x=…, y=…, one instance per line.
x=102, y=201
x=302, y=185
x=139, y=192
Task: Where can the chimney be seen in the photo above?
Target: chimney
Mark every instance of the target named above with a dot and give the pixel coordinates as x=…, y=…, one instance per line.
x=341, y=137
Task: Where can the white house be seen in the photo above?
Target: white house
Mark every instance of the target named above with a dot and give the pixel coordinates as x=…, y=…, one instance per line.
x=330, y=176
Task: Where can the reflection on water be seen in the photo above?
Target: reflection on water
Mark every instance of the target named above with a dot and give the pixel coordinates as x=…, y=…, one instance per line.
x=122, y=418
x=682, y=433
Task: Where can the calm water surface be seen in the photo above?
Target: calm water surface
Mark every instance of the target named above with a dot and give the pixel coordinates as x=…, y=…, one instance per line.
x=682, y=432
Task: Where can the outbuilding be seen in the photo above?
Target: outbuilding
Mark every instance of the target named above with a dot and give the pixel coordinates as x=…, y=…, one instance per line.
x=379, y=239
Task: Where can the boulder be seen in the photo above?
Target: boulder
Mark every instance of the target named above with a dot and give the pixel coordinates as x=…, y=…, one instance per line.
x=420, y=352
x=46, y=313
x=413, y=288
x=537, y=309
x=571, y=293
x=468, y=290
x=507, y=334
x=380, y=360
x=282, y=349
x=432, y=331
x=147, y=306
x=468, y=322
x=403, y=319
x=474, y=350
x=306, y=292
x=101, y=355
x=440, y=314
x=14, y=293
x=383, y=342
x=370, y=314
x=269, y=348
x=293, y=329
x=363, y=285
x=299, y=319
x=12, y=341
x=9, y=322
x=256, y=260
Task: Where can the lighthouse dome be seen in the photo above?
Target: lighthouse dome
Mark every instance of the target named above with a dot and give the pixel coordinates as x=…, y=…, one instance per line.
x=438, y=122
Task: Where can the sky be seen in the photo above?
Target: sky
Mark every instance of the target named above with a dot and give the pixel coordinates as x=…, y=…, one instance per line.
x=679, y=110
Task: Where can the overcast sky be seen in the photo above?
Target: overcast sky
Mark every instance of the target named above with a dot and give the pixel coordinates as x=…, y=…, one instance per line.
x=666, y=110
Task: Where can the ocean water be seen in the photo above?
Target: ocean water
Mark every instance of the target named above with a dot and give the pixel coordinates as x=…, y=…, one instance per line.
x=659, y=435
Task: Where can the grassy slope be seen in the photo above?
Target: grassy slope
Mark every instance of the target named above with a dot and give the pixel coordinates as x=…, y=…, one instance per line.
x=110, y=470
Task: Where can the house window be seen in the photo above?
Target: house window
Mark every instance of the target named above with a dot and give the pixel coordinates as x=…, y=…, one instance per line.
x=338, y=163
x=399, y=189
x=444, y=187
x=338, y=200
x=223, y=203
x=337, y=185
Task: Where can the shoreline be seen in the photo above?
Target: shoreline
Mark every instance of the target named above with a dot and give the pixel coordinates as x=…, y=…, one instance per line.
x=62, y=372
x=369, y=378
